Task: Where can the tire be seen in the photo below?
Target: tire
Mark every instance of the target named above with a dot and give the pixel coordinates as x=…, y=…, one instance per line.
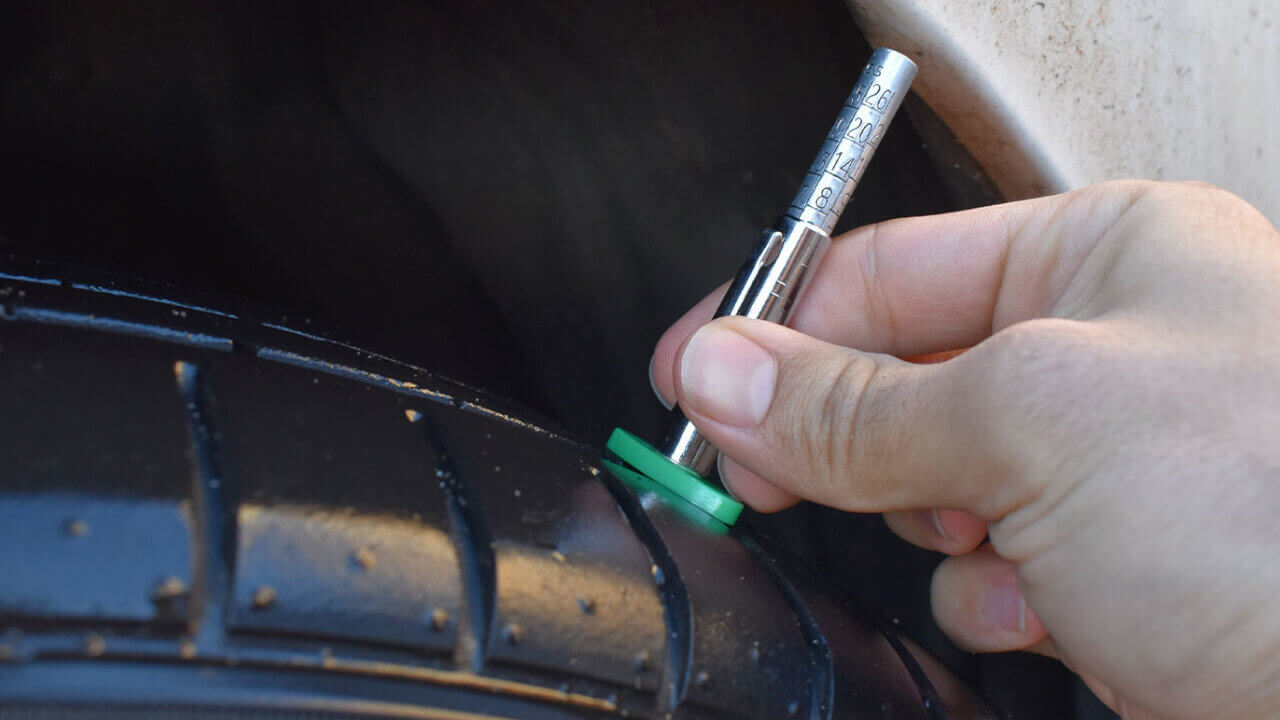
x=205, y=513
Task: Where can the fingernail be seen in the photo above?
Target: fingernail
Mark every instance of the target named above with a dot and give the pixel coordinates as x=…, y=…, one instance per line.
x=937, y=525
x=654, y=385
x=1005, y=607
x=727, y=377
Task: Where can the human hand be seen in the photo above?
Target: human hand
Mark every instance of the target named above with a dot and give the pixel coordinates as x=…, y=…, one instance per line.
x=1114, y=425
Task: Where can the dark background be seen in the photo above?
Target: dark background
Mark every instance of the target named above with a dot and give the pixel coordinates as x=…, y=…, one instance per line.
x=519, y=195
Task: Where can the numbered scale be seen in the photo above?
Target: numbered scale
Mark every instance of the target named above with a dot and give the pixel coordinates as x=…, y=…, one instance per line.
x=828, y=186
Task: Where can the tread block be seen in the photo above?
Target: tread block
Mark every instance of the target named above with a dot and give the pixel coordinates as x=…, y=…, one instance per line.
x=342, y=524
x=86, y=411
x=364, y=577
x=84, y=557
x=95, y=483
x=575, y=589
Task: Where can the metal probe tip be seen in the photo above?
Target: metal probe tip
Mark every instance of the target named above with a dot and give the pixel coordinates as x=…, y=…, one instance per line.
x=780, y=266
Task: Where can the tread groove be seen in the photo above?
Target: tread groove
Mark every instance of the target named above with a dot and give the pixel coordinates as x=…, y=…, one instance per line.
x=369, y=354
x=676, y=607
x=29, y=278
x=114, y=325
x=822, y=689
x=215, y=518
x=928, y=693
x=343, y=371
x=150, y=298
x=474, y=541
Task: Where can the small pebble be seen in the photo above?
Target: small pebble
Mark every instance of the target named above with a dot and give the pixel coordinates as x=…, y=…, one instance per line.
x=365, y=559
x=641, y=661
x=439, y=619
x=170, y=587
x=513, y=634
x=702, y=680
x=94, y=645
x=264, y=597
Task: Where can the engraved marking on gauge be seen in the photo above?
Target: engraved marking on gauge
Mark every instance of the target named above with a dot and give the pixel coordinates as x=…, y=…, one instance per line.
x=862, y=126
x=837, y=130
x=806, y=190
x=844, y=202
x=879, y=98
x=826, y=195
x=859, y=92
x=844, y=161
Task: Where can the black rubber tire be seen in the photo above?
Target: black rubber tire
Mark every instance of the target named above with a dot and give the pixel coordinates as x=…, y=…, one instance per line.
x=207, y=513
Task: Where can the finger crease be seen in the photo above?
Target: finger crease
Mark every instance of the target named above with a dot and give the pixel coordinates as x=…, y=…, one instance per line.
x=841, y=436
x=1012, y=233
x=1106, y=238
x=877, y=300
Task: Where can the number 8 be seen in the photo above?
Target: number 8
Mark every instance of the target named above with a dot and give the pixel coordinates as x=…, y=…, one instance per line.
x=820, y=202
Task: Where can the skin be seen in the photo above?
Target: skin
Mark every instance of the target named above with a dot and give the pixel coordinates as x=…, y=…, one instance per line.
x=1112, y=424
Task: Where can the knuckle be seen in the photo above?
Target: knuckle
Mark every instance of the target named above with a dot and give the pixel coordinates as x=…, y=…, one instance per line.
x=1202, y=184
x=1134, y=197
x=1180, y=199
x=1172, y=194
x=1128, y=186
x=1118, y=199
x=1201, y=204
x=1093, y=213
x=1032, y=364
x=1179, y=195
x=1121, y=195
x=1229, y=207
x=1205, y=191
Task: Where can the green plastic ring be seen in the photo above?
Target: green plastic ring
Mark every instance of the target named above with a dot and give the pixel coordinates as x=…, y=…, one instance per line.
x=645, y=488
x=683, y=482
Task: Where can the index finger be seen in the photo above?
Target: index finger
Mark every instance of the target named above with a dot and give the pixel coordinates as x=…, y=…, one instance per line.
x=920, y=285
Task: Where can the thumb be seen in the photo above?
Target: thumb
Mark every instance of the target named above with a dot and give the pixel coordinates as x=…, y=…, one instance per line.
x=853, y=430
